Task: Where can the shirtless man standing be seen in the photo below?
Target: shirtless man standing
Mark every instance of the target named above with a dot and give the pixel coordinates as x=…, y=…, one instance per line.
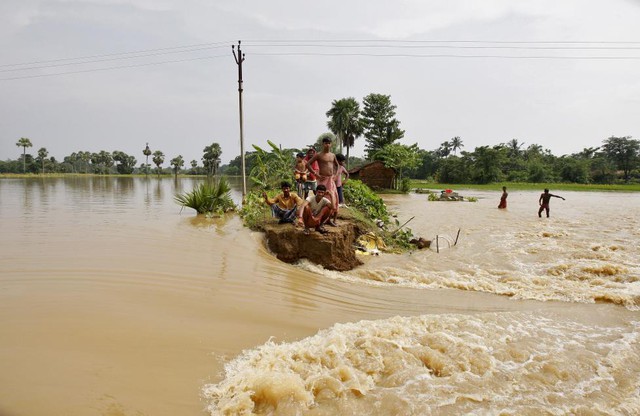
x=545, y=197
x=326, y=174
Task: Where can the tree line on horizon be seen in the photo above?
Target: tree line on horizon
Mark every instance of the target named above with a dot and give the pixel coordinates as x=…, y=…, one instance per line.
x=616, y=160
x=104, y=162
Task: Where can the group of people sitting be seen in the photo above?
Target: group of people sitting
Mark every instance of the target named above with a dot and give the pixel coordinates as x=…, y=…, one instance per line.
x=320, y=173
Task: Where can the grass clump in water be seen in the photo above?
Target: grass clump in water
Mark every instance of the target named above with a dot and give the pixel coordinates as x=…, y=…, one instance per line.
x=210, y=197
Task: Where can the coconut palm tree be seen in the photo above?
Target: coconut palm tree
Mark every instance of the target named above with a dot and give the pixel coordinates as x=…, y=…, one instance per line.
x=456, y=144
x=24, y=143
x=513, y=147
x=344, y=122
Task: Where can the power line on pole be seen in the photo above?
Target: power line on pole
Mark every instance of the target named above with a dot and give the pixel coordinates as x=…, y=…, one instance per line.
x=239, y=60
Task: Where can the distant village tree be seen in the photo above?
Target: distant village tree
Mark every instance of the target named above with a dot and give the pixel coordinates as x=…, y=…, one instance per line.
x=102, y=161
x=84, y=157
x=125, y=163
x=24, y=143
x=379, y=123
x=158, y=160
x=445, y=149
x=177, y=162
x=211, y=158
x=456, y=143
x=404, y=159
x=486, y=163
x=344, y=122
x=624, y=152
x=147, y=153
x=42, y=157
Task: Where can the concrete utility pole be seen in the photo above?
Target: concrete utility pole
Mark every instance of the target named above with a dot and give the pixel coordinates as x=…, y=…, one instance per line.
x=239, y=60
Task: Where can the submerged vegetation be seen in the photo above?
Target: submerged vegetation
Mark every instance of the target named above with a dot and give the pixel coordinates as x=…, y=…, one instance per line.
x=210, y=197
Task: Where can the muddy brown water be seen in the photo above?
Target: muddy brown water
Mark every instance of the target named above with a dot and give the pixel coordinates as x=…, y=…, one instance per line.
x=113, y=302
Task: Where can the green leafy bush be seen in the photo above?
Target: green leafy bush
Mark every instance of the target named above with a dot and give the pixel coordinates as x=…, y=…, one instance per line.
x=359, y=196
x=212, y=196
x=405, y=185
x=254, y=212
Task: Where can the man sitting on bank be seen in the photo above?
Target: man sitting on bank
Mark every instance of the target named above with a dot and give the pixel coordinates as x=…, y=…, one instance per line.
x=285, y=205
x=315, y=211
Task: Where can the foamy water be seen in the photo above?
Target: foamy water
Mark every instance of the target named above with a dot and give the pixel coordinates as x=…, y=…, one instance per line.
x=506, y=363
x=510, y=363
x=586, y=252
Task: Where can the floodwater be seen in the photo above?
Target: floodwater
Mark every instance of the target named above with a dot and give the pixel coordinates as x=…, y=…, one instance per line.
x=114, y=302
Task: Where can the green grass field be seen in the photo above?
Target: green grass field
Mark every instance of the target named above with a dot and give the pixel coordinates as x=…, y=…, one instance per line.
x=415, y=183
x=528, y=186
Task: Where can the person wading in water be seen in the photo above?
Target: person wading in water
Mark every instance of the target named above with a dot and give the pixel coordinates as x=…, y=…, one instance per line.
x=503, y=198
x=545, y=197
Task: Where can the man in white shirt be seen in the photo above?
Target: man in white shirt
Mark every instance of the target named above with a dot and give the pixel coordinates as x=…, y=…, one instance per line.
x=315, y=211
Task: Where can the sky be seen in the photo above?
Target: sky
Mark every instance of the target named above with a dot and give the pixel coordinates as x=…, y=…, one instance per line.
x=91, y=75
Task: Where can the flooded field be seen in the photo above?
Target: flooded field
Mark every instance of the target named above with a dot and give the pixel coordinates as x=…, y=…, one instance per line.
x=114, y=302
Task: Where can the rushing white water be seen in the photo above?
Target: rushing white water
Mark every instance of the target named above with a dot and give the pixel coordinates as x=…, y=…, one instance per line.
x=510, y=363
x=587, y=252
x=507, y=363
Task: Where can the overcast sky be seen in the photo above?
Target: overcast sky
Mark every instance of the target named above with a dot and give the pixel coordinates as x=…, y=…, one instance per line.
x=91, y=75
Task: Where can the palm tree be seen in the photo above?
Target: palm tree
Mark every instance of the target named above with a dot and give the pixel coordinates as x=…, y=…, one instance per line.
x=42, y=156
x=24, y=143
x=456, y=144
x=211, y=158
x=177, y=162
x=85, y=157
x=344, y=122
x=147, y=153
x=445, y=149
x=514, y=147
x=158, y=159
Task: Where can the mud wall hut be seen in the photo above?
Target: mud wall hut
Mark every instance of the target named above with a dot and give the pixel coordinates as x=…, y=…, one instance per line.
x=375, y=175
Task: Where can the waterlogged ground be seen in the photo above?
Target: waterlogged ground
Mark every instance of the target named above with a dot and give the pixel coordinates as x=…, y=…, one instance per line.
x=112, y=302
